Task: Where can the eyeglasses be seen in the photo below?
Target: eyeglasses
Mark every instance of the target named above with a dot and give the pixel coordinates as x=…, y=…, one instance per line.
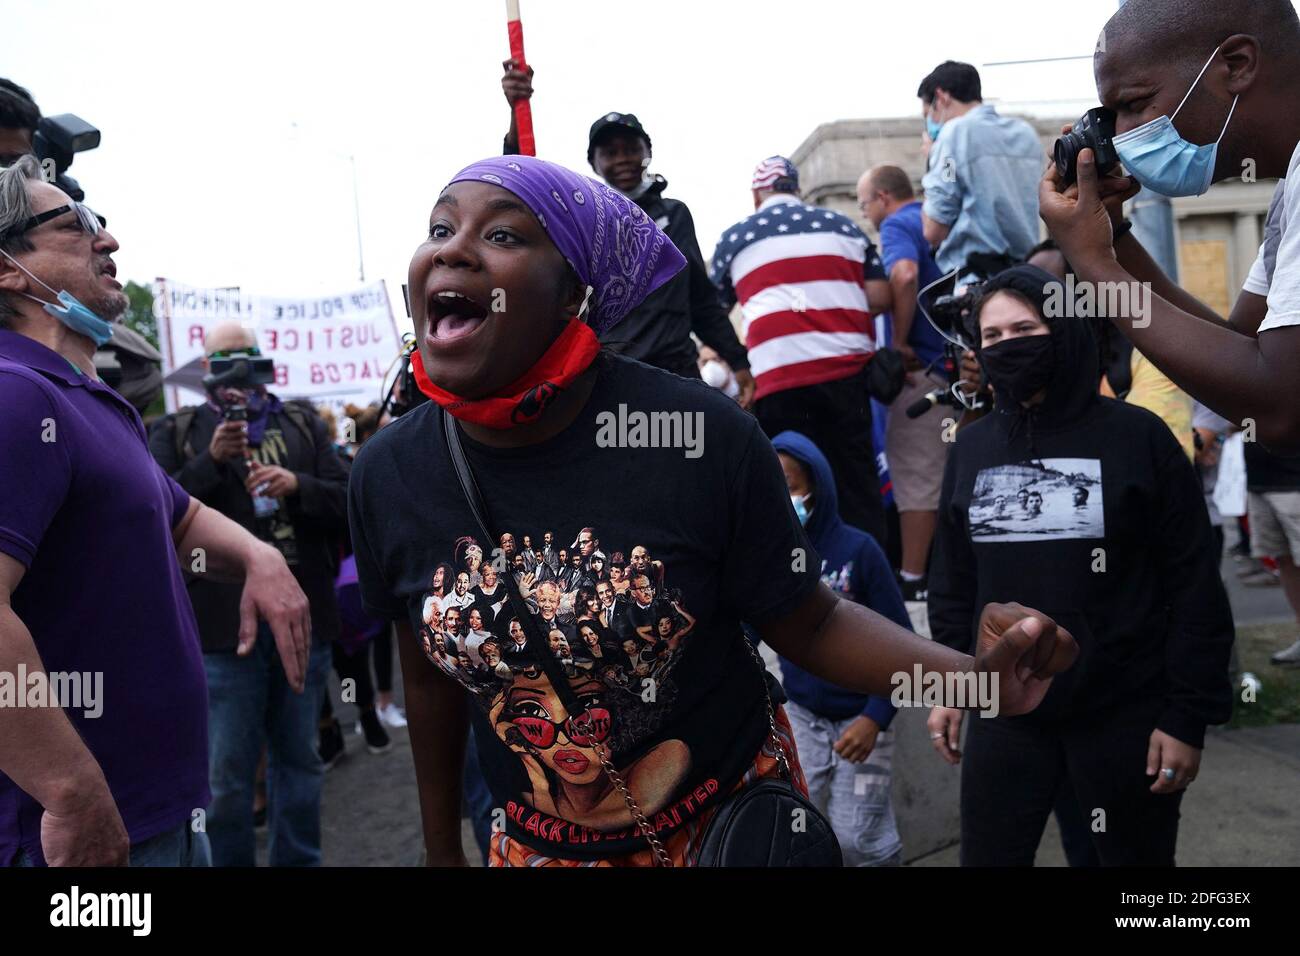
x=251, y=351
x=541, y=731
x=91, y=222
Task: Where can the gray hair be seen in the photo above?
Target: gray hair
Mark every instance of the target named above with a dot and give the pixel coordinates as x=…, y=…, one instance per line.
x=16, y=201
x=15, y=209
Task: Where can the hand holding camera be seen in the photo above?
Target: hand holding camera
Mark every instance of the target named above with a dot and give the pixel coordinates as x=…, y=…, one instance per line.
x=1082, y=196
x=229, y=441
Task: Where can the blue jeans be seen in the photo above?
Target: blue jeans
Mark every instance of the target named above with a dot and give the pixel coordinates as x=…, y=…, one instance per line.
x=252, y=707
x=180, y=846
x=855, y=797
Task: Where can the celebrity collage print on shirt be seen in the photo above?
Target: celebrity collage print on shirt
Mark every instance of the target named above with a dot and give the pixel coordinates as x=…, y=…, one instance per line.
x=617, y=632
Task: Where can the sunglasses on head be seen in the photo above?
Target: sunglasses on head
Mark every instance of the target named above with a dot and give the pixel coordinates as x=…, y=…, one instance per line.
x=252, y=351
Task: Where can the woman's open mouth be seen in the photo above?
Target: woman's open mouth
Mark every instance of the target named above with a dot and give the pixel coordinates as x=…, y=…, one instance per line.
x=453, y=315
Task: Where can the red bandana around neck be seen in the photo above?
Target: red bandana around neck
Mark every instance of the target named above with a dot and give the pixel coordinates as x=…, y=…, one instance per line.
x=524, y=399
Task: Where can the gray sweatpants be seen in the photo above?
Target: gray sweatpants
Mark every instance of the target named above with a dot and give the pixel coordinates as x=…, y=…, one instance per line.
x=854, y=796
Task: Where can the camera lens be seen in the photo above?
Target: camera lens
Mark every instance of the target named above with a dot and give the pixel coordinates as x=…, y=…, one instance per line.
x=1067, y=152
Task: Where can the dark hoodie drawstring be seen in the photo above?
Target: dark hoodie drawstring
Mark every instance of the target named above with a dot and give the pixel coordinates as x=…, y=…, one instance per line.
x=1022, y=416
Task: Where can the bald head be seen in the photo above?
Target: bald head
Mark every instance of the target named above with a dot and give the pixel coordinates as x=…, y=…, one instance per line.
x=229, y=337
x=1188, y=30
x=1152, y=51
x=882, y=190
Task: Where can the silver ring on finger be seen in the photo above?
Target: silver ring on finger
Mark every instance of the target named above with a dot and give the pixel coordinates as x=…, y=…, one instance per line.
x=1169, y=773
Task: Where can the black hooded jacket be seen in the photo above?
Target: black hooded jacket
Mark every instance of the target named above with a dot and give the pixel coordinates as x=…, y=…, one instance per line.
x=1087, y=509
x=658, y=331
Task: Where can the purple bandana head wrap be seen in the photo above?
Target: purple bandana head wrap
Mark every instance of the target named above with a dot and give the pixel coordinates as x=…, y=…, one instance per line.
x=610, y=242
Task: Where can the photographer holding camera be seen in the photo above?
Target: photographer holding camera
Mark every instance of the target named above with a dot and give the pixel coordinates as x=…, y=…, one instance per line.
x=1201, y=92
x=120, y=778
x=271, y=467
x=981, y=191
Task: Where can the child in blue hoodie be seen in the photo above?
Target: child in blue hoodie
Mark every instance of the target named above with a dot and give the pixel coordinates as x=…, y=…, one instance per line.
x=841, y=735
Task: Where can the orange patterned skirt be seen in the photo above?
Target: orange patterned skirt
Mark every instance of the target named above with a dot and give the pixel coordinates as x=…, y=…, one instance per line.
x=683, y=846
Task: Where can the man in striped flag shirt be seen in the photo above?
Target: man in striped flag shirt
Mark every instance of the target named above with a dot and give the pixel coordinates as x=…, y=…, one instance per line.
x=808, y=282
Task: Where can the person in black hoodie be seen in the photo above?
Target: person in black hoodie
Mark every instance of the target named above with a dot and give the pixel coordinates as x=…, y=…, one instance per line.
x=658, y=331
x=1086, y=508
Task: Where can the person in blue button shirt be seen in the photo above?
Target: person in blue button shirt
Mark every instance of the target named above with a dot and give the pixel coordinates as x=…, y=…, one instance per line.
x=915, y=447
x=981, y=191
x=841, y=735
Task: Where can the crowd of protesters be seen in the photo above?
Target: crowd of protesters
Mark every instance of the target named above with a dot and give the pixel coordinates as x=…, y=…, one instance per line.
x=226, y=562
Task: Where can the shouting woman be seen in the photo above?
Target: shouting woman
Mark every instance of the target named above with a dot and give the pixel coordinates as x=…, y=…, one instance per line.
x=524, y=264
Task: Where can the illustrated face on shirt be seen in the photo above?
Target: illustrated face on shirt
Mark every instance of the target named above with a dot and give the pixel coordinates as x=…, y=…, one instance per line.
x=528, y=713
x=548, y=598
x=642, y=591
x=517, y=633
x=533, y=717
x=559, y=646
x=590, y=638
x=439, y=582
x=432, y=615
x=451, y=620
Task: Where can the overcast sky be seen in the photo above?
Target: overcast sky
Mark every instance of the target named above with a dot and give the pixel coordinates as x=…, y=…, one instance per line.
x=227, y=127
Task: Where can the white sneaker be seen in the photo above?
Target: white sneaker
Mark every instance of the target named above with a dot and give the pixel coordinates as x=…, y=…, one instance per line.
x=1289, y=657
x=391, y=715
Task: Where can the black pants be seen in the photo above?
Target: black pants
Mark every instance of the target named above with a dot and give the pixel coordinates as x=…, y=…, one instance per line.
x=837, y=417
x=1013, y=771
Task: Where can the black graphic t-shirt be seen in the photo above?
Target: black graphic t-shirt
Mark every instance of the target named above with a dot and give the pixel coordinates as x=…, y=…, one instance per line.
x=670, y=522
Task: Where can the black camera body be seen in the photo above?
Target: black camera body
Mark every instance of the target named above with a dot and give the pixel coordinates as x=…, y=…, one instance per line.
x=1095, y=130
x=58, y=139
x=237, y=371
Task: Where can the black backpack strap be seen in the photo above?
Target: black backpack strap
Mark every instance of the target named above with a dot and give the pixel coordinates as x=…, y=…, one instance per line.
x=183, y=421
x=300, y=415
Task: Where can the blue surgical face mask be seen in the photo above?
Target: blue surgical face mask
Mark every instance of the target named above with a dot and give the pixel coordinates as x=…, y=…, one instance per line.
x=70, y=311
x=1163, y=161
x=932, y=128
x=801, y=511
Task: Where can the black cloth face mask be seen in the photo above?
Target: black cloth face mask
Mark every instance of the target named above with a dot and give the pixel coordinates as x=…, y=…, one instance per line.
x=1020, y=367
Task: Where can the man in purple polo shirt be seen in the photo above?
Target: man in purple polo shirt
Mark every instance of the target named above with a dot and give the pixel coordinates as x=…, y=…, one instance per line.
x=103, y=702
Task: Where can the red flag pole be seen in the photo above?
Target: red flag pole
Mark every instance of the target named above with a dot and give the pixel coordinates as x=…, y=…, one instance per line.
x=523, y=109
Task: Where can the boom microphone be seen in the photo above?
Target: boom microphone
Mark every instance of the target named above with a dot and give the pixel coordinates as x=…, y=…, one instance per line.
x=933, y=399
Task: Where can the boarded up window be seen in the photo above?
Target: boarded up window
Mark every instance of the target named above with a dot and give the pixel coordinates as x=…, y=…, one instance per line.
x=1203, y=272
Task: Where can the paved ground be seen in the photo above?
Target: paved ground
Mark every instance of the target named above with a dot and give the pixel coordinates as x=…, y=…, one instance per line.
x=1241, y=812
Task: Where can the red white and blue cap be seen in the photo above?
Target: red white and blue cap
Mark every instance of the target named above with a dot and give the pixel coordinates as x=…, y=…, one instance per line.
x=776, y=173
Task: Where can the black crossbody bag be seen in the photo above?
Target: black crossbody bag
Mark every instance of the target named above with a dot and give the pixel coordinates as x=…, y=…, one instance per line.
x=769, y=823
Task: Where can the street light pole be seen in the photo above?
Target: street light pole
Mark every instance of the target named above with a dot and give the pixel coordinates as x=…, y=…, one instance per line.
x=356, y=211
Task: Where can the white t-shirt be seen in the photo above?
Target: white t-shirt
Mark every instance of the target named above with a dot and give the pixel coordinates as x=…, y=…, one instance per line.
x=1284, y=293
